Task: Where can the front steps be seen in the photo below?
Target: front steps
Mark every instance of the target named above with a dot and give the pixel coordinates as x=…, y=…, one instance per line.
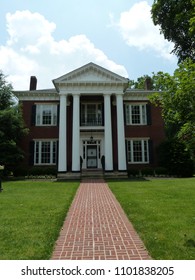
x=92, y=174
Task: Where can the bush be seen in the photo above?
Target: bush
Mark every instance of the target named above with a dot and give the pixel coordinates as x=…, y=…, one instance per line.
x=161, y=171
x=133, y=172
x=148, y=171
x=42, y=171
x=20, y=172
x=174, y=156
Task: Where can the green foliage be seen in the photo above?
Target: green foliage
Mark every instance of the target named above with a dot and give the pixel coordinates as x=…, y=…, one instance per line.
x=6, y=97
x=140, y=83
x=36, y=171
x=174, y=156
x=11, y=127
x=132, y=172
x=161, y=171
x=176, y=20
x=147, y=171
x=177, y=100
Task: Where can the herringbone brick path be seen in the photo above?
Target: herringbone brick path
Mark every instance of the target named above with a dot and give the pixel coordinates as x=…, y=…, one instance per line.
x=96, y=228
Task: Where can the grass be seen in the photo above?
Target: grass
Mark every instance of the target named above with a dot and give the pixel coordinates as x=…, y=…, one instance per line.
x=163, y=213
x=31, y=215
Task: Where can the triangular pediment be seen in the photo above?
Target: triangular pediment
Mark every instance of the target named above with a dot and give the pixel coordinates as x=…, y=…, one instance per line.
x=90, y=73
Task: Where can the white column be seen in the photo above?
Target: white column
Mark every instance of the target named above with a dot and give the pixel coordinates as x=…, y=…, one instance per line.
x=62, y=153
x=108, y=134
x=122, y=165
x=76, y=134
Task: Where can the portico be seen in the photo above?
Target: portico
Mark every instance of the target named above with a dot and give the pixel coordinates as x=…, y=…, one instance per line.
x=93, y=91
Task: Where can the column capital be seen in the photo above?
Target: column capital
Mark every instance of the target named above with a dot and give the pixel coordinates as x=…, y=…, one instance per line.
x=63, y=93
x=74, y=94
x=119, y=93
x=107, y=94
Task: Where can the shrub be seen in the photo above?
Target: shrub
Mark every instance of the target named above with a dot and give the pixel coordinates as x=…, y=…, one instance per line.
x=20, y=172
x=161, y=171
x=133, y=172
x=175, y=157
x=148, y=171
x=41, y=171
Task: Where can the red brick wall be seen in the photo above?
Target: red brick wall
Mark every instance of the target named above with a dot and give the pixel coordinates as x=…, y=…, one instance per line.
x=155, y=132
x=35, y=132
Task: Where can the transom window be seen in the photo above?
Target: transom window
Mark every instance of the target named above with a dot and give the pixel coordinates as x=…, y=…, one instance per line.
x=137, y=151
x=91, y=114
x=136, y=114
x=45, y=152
x=46, y=114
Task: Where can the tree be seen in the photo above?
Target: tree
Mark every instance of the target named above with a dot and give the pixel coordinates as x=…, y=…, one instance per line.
x=173, y=155
x=141, y=82
x=176, y=19
x=177, y=100
x=6, y=97
x=12, y=128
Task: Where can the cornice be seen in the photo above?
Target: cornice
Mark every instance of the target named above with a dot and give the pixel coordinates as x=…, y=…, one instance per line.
x=45, y=94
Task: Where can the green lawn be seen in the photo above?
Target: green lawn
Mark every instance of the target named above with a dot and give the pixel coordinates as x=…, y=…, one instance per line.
x=31, y=215
x=163, y=213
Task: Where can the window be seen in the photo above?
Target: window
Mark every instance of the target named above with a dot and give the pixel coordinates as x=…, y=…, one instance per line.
x=136, y=114
x=46, y=114
x=45, y=152
x=137, y=151
x=91, y=114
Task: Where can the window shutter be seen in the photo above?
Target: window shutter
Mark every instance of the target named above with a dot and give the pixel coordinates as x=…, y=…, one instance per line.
x=31, y=152
x=126, y=149
x=148, y=112
x=124, y=109
x=151, y=151
x=33, y=115
x=58, y=114
x=57, y=153
x=102, y=114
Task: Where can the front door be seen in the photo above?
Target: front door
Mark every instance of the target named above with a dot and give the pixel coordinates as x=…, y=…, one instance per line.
x=92, y=156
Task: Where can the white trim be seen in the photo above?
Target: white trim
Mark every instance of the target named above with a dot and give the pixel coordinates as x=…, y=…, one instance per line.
x=39, y=114
x=62, y=153
x=131, y=140
x=108, y=133
x=143, y=120
x=76, y=133
x=39, y=143
x=120, y=134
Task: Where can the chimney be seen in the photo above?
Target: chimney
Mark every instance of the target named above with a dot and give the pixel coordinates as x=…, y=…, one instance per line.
x=148, y=83
x=33, y=83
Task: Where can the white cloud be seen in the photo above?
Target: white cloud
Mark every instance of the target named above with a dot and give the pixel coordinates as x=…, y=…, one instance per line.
x=138, y=30
x=31, y=49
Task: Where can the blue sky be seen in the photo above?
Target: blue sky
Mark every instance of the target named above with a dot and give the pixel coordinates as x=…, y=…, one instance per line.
x=50, y=38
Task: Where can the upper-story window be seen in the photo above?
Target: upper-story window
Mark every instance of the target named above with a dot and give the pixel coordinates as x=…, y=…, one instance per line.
x=136, y=114
x=91, y=114
x=46, y=114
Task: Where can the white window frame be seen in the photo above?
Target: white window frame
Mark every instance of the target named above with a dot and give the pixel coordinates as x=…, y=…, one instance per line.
x=144, y=149
x=142, y=113
x=38, y=158
x=39, y=114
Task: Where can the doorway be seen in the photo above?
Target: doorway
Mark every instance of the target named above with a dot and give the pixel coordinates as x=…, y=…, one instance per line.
x=92, y=161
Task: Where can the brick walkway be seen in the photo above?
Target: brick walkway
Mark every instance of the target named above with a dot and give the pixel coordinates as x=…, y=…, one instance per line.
x=96, y=228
